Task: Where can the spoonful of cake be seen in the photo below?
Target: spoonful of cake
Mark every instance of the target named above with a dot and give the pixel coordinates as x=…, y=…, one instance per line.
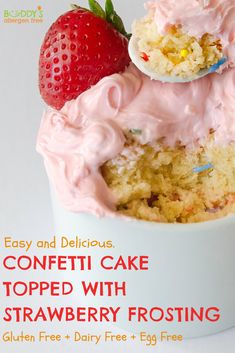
x=175, y=56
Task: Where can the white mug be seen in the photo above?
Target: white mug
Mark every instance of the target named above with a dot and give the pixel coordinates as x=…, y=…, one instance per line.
x=190, y=265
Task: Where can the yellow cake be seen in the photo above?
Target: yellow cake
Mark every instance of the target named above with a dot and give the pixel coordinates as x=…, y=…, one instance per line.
x=155, y=183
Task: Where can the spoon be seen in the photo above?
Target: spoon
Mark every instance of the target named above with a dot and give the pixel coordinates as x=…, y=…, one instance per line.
x=139, y=62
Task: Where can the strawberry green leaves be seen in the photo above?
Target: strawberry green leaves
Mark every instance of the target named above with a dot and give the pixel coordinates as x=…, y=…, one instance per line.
x=74, y=7
x=109, y=14
x=97, y=9
x=109, y=9
x=113, y=18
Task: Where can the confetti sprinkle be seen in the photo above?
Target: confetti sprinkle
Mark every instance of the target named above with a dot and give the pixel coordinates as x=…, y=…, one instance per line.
x=215, y=67
x=144, y=56
x=136, y=131
x=213, y=210
x=151, y=200
x=184, y=53
x=203, y=168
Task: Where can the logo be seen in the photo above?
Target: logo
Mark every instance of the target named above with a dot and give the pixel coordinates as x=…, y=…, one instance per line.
x=23, y=16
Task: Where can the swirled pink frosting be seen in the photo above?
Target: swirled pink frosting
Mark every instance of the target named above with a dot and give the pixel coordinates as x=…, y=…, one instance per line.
x=89, y=131
x=198, y=17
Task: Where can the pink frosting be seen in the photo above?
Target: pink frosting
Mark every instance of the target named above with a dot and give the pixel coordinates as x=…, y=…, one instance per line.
x=198, y=17
x=89, y=131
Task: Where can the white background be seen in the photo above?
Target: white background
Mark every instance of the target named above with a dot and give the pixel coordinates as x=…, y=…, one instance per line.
x=25, y=209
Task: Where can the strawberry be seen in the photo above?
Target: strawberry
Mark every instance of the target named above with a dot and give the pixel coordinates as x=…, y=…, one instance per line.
x=79, y=49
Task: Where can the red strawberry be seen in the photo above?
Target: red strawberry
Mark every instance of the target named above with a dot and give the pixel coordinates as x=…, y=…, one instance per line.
x=80, y=49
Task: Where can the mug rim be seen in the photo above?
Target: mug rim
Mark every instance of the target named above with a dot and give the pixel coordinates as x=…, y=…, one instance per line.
x=207, y=225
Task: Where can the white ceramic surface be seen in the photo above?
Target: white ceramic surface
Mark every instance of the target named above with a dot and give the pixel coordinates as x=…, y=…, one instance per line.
x=190, y=265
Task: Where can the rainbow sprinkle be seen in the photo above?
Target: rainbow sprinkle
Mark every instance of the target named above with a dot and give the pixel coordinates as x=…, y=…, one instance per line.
x=144, y=56
x=203, y=168
x=216, y=66
x=184, y=53
x=136, y=131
